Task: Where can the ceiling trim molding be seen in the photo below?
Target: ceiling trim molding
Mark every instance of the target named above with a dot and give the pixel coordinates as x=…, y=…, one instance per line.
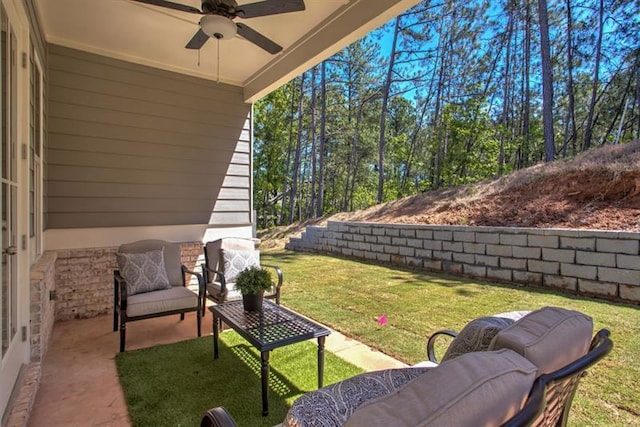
x=137, y=60
x=352, y=21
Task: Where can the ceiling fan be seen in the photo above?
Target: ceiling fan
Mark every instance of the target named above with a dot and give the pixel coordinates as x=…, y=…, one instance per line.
x=217, y=21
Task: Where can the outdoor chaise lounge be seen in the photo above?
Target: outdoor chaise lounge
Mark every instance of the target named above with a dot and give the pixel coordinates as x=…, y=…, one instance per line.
x=514, y=371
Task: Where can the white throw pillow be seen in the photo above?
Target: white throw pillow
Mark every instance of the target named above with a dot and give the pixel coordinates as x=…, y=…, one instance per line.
x=144, y=271
x=237, y=261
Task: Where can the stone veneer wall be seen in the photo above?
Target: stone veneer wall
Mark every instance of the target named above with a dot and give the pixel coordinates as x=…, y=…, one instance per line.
x=42, y=311
x=84, y=279
x=600, y=263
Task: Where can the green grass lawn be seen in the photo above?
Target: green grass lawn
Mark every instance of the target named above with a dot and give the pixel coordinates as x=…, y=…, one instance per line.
x=349, y=295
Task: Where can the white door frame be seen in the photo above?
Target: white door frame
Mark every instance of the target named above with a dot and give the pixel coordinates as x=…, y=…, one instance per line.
x=17, y=353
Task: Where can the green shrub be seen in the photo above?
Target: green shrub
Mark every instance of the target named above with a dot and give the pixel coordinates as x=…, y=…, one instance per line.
x=253, y=280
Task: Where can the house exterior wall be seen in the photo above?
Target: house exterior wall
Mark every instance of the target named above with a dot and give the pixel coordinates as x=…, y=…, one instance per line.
x=131, y=146
x=598, y=263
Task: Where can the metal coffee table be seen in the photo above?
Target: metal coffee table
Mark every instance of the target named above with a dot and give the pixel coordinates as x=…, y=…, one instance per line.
x=272, y=327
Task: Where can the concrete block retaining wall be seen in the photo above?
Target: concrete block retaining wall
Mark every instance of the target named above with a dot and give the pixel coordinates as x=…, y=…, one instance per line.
x=600, y=263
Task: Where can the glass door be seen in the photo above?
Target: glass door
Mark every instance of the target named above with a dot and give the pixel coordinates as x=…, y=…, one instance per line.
x=8, y=79
x=14, y=116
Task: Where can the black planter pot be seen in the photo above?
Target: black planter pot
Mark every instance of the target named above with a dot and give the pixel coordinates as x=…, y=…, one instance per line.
x=252, y=302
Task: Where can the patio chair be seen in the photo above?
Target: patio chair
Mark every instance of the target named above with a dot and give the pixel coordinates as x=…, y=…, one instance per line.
x=554, y=344
x=150, y=282
x=224, y=259
x=536, y=335
x=378, y=395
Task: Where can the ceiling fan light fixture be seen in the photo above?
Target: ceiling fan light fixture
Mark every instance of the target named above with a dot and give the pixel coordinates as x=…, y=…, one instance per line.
x=218, y=27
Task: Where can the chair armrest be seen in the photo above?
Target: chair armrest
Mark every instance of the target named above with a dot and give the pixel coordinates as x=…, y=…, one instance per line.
x=206, y=271
x=431, y=353
x=120, y=289
x=217, y=417
x=198, y=276
x=278, y=272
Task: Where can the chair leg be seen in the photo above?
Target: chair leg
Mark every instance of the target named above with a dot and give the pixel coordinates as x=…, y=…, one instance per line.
x=123, y=331
x=199, y=320
x=181, y=316
x=115, y=318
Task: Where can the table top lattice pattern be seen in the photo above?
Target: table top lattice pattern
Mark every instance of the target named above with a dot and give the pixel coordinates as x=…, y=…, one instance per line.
x=271, y=327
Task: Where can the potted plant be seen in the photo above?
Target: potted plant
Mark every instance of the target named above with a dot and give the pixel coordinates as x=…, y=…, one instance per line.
x=252, y=282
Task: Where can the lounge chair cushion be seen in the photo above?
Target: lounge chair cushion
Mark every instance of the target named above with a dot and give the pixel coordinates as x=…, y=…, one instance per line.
x=476, y=336
x=214, y=288
x=174, y=298
x=539, y=335
x=143, y=272
x=236, y=261
x=479, y=388
x=333, y=404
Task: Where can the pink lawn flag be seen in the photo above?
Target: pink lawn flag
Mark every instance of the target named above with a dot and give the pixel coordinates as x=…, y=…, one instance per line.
x=382, y=320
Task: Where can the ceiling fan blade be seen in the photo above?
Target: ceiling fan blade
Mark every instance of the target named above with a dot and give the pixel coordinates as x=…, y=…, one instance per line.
x=171, y=5
x=198, y=40
x=269, y=7
x=258, y=39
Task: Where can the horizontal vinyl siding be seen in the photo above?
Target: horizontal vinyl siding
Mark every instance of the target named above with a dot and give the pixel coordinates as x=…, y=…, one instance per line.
x=133, y=146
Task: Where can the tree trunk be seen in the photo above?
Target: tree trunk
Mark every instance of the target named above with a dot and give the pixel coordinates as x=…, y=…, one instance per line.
x=588, y=130
x=314, y=151
x=547, y=83
x=383, y=110
x=296, y=159
x=323, y=129
x=570, y=130
x=286, y=182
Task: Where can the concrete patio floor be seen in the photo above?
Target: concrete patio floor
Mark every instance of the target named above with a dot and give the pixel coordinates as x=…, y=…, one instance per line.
x=79, y=384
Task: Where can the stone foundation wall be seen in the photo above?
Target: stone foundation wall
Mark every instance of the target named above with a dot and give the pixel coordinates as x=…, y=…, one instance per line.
x=42, y=311
x=84, y=279
x=600, y=263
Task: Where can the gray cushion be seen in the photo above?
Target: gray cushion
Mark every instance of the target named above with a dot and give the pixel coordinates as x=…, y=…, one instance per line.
x=233, y=293
x=236, y=261
x=475, y=389
x=172, y=256
x=333, y=404
x=476, y=336
x=550, y=338
x=143, y=272
x=174, y=298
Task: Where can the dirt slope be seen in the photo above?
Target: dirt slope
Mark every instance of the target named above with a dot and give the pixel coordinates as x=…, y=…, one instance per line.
x=595, y=190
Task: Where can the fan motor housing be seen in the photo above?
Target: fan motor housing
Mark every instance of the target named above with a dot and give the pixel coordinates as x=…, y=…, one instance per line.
x=220, y=7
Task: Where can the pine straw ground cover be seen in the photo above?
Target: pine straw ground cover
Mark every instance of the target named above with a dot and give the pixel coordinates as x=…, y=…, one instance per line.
x=350, y=296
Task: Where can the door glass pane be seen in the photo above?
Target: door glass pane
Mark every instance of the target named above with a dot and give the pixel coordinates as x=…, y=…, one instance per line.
x=8, y=199
x=5, y=97
x=6, y=333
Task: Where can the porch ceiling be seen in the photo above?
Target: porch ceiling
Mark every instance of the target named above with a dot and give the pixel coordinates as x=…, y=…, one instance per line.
x=156, y=37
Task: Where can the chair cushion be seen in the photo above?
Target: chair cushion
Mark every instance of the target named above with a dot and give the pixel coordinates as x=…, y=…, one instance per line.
x=143, y=272
x=174, y=298
x=476, y=336
x=214, y=289
x=172, y=256
x=236, y=261
x=333, y=404
x=550, y=338
x=480, y=388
